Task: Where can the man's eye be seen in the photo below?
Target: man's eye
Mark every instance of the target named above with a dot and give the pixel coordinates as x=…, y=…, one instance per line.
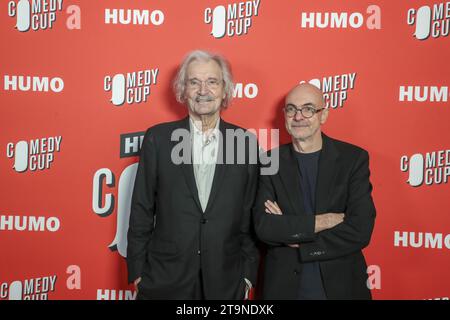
x=290, y=109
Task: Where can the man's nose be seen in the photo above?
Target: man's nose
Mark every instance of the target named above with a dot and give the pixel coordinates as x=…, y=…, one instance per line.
x=299, y=116
x=203, y=88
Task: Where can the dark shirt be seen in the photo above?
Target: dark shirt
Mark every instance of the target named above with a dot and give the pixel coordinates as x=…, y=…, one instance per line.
x=311, y=285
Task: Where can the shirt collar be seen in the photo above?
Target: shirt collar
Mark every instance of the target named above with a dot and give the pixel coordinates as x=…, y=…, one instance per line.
x=198, y=131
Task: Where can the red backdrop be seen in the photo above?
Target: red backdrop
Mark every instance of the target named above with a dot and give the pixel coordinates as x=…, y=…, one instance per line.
x=66, y=181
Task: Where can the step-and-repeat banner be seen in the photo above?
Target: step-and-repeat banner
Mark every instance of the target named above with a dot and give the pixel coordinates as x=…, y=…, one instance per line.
x=81, y=81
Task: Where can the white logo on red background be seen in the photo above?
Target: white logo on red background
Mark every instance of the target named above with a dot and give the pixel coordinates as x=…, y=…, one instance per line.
x=335, y=88
x=29, y=289
x=134, y=16
x=29, y=223
x=34, y=155
x=429, y=21
x=132, y=87
x=104, y=183
x=234, y=19
x=423, y=94
x=247, y=90
x=342, y=20
x=32, y=83
x=427, y=240
x=374, y=277
x=104, y=202
x=429, y=168
x=42, y=14
x=112, y=294
x=37, y=15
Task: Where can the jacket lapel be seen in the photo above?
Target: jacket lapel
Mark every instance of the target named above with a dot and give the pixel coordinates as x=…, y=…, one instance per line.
x=290, y=177
x=220, y=168
x=188, y=169
x=326, y=174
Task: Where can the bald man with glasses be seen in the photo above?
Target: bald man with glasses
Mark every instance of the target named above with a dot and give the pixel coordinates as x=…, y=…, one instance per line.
x=316, y=213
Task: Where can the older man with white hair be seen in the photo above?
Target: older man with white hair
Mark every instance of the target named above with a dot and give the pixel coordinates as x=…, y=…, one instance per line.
x=190, y=234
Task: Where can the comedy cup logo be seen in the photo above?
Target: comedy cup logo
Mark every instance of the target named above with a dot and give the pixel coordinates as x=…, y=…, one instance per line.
x=35, y=15
x=431, y=168
x=234, y=19
x=429, y=21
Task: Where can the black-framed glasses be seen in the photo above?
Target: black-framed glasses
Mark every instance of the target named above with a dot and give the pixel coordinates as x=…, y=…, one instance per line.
x=307, y=111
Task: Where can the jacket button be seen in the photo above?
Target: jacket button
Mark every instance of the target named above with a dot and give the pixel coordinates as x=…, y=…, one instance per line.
x=296, y=272
x=203, y=221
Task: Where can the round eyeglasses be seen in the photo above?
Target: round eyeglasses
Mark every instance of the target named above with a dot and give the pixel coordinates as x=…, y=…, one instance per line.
x=307, y=111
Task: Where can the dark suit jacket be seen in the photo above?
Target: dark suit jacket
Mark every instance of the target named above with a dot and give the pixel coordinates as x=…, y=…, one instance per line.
x=343, y=186
x=168, y=228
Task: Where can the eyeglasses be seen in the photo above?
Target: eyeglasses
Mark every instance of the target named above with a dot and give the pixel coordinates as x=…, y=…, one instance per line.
x=307, y=111
x=210, y=83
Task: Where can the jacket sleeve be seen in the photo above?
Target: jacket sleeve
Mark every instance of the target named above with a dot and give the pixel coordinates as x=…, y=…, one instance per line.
x=279, y=230
x=142, y=208
x=354, y=233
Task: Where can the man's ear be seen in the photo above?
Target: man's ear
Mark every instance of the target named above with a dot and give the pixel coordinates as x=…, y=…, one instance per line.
x=324, y=116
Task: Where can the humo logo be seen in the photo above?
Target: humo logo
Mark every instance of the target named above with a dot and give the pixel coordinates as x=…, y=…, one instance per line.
x=134, y=87
x=108, y=294
x=30, y=289
x=374, y=277
x=430, y=21
x=130, y=144
x=129, y=16
x=431, y=168
x=423, y=94
x=37, y=154
x=426, y=240
x=249, y=90
x=342, y=20
x=233, y=20
x=37, y=84
x=29, y=223
x=335, y=88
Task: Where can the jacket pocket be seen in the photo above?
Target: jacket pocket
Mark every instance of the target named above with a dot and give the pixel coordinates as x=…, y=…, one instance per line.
x=160, y=246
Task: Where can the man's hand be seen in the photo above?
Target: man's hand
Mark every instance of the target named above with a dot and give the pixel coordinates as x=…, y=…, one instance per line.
x=327, y=221
x=273, y=208
x=248, y=288
x=136, y=282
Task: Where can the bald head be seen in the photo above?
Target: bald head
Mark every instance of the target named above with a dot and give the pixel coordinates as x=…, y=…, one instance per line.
x=305, y=125
x=308, y=93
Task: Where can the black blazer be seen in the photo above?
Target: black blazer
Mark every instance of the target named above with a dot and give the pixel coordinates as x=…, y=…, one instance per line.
x=168, y=228
x=343, y=186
